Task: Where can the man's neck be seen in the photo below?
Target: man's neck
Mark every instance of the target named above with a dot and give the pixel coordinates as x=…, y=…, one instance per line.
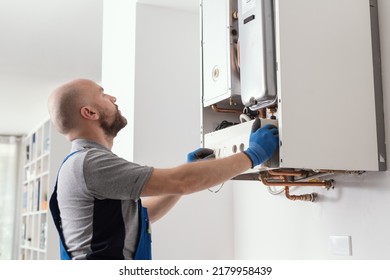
x=100, y=138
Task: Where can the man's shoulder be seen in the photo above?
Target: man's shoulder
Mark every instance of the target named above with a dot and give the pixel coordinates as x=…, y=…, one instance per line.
x=97, y=156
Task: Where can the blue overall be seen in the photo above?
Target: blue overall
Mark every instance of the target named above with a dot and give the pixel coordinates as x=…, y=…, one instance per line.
x=144, y=248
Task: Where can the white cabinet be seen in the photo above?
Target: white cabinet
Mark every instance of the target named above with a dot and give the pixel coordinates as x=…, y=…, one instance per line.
x=44, y=149
x=330, y=88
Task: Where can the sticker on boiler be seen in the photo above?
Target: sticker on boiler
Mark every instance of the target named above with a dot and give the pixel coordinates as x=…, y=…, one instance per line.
x=247, y=5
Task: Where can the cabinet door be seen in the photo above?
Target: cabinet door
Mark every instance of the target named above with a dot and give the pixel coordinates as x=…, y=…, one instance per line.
x=216, y=51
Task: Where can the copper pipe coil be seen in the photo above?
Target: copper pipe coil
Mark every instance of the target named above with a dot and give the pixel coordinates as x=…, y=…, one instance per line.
x=220, y=110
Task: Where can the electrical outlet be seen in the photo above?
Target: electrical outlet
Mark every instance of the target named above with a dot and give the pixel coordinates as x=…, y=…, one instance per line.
x=341, y=245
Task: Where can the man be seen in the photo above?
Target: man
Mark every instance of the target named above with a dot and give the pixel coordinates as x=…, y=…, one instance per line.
x=96, y=204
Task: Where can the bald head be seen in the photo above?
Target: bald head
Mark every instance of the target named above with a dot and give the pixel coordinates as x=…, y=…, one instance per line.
x=66, y=101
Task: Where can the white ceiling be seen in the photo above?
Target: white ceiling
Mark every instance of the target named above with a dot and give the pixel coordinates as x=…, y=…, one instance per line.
x=44, y=43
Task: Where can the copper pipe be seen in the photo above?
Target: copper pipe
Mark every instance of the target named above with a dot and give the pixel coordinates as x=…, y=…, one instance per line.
x=304, y=197
x=275, y=176
x=326, y=184
x=281, y=172
x=263, y=113
x=272, y=110
x=219, y=110
x=305, y=176
x=283, y=175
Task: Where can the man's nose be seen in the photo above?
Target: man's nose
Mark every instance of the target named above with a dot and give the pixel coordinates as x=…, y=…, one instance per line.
x=112, y=98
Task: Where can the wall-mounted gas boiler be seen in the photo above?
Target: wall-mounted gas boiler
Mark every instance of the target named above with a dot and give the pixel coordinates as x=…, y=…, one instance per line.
x=311, y=67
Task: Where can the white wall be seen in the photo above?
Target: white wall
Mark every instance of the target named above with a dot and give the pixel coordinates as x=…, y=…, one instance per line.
x=118, y=66
x=167, y=127
x=164, y=118
x=269, y=227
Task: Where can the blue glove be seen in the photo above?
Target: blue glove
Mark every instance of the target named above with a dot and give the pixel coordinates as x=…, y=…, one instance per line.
x=262, y=143
x=201, y=153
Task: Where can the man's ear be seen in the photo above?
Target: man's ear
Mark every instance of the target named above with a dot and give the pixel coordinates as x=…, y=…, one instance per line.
x=89, y=113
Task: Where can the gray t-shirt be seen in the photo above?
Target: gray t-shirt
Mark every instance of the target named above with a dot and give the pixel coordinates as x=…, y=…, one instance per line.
x=98, y=195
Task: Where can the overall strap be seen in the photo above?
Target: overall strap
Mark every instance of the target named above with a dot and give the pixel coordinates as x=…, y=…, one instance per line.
x=144, y=246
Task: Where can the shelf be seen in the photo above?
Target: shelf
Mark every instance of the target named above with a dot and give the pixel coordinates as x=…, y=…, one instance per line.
x=33, y=249
x=34, y=213
x=44, y=150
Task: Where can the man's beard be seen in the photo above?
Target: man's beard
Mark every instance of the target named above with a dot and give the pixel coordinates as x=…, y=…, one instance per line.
x=112, y=129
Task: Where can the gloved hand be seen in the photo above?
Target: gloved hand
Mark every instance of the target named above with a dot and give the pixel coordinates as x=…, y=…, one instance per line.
x=262, y=143
x=201, y=153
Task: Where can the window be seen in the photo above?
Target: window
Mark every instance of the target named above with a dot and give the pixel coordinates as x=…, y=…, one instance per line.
x=8, y=191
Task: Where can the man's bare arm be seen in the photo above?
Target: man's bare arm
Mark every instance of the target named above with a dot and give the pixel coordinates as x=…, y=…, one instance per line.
x=196, y=176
